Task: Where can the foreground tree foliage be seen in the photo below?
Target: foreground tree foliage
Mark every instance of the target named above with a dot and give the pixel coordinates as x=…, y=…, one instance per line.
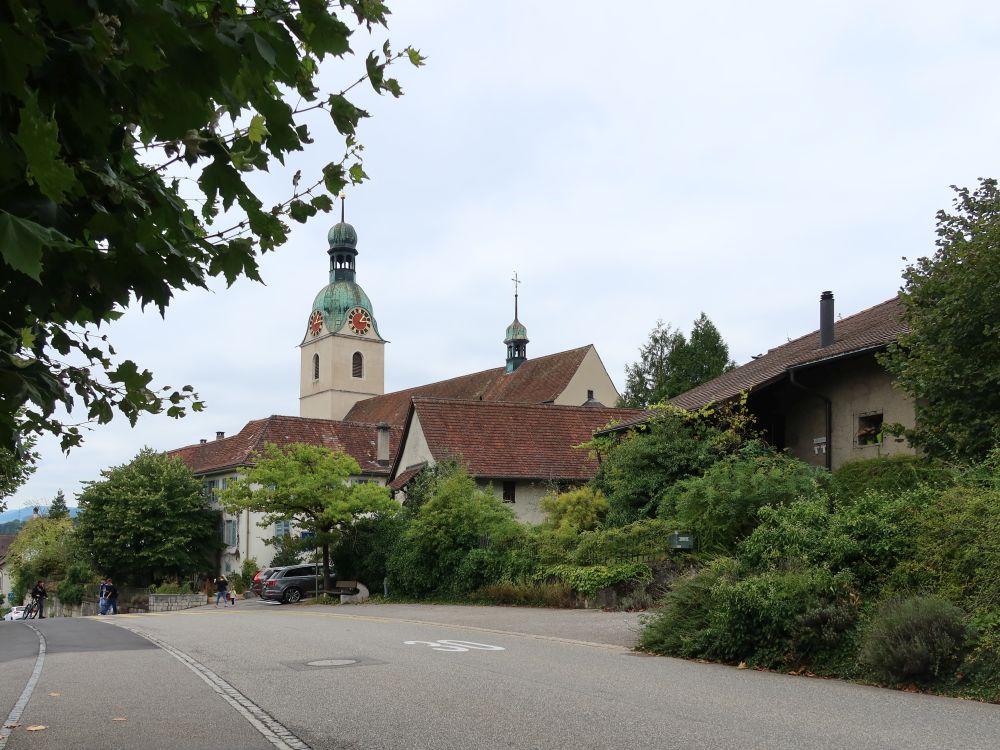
x=115, y=114
x=949, y=360
x=670, y=364
x=148, y=521
x=307, y=485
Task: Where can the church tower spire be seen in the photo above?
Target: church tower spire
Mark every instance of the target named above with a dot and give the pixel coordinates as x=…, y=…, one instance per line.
x=517, y=336
x=342, y=353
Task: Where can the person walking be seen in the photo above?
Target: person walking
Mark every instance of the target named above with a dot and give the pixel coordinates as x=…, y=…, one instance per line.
x=221, y=590
x=38, y=594
x=111, y=595
x=102, y=597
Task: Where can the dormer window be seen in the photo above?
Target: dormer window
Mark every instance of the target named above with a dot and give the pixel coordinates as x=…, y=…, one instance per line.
x=357, y=365
x=315, y=367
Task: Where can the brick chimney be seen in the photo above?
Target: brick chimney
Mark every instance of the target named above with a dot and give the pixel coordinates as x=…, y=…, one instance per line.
x=825, y=319
x=382, y=443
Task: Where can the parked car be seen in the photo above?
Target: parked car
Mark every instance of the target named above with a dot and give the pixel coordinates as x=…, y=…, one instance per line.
x=257, y=585
x=295, y=582
x=15, y=613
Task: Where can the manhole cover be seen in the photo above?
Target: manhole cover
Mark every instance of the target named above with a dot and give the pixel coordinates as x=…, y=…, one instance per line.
x=331, y=662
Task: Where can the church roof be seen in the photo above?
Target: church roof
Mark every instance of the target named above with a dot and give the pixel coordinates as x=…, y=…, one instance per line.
x=537, y=381
x=512, y=441
x=226, y=454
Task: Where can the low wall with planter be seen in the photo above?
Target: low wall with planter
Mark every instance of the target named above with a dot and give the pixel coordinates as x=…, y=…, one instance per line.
x=129, y=601
x=174, y=602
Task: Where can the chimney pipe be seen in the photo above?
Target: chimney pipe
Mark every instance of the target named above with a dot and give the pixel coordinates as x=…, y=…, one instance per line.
x=382, y=443
x=825, y=319
x=203, y=441
x=219, y=435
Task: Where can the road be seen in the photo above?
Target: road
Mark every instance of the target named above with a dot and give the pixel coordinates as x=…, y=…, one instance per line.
x=420, y=676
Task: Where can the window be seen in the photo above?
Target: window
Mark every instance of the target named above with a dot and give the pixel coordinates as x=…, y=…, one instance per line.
x=870, y=428
x=282, y=528
x=508, y=491
x=208, y=488
x=229, y=537
x=358, y=365
x=315, y=367
x=590, y=395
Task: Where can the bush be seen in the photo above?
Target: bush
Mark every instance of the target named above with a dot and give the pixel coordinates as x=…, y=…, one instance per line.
x=720, y=507
x=588, y=580
x=918, y=638
x=672, y=446
x=364, y=549
x=774, y=619
x=459, y=521
x=582, y=509
x=646, y=537
x=891, y=475
x=249, y=569
x=526, y=593
x=956, y=549
x=71, y=589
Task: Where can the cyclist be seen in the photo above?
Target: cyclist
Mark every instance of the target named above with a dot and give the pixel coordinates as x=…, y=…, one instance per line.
x=38, y=595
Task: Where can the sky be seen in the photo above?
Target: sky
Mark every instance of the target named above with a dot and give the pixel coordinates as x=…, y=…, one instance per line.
x=631, y=163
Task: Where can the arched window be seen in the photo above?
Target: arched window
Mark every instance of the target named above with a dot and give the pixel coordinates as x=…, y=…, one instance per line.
x=358, y=365
x=315, y=367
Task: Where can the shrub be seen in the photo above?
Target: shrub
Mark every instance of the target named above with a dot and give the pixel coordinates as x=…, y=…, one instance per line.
x=71, y=589
x=582, y=509
x=774, y=619
x=917, y=638
x=588, y=580
x=249, y=569
x=458, y=521
x=673, y=445
x=365, y=546
x=720, y=507
x=890, y=475
x=641, y=538
x=681, y=626
x=526, y=593
x=956, y=549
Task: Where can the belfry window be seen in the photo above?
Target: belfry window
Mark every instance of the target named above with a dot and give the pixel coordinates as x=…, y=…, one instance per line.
x=358, y=365
x=315, y=367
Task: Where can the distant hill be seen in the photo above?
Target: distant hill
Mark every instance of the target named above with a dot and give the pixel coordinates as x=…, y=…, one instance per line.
x=23, y=514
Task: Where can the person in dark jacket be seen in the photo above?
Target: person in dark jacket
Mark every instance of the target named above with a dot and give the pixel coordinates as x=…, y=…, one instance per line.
x=221, y=591
x=38, y=594
x=111, y=595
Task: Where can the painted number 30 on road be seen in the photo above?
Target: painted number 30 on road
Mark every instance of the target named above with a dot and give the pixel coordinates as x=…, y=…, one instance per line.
x=446, y=645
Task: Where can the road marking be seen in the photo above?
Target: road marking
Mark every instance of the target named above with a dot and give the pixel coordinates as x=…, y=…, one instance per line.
x=15, y=713
x=456, y=646
x=269, y=727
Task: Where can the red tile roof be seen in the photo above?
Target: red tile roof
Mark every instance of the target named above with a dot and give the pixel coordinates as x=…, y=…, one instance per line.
x=403, y=479
x=354, y=438
x=869, y=329
x=513, y=441
x=537, y=381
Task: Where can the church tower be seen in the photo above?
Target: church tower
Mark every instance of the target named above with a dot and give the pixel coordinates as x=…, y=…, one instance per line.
x=516, y=338
x=342, y=353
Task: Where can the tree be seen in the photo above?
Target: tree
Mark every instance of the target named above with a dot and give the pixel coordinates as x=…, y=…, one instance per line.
x=148, y=521
x=307, y=485
x=58, y=508
x=112, y=116
x=15, y=467
x=43, y=548
x=670, y=364
x=948, y=361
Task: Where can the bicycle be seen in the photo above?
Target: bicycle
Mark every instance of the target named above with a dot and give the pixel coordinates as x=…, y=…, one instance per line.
x=31, y=611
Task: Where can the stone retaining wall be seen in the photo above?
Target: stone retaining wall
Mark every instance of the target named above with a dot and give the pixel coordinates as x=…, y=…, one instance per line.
x=174, y=602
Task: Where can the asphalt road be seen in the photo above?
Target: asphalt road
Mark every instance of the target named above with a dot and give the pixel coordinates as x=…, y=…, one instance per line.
x=414, y=676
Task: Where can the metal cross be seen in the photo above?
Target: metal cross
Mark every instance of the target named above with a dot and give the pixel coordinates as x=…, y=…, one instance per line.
x=516, y=282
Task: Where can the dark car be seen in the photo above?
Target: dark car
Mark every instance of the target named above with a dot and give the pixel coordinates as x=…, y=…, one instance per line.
x=294, y=582
x=257, y=585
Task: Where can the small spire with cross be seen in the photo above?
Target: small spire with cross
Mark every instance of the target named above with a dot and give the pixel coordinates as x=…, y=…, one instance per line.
x=517, y=282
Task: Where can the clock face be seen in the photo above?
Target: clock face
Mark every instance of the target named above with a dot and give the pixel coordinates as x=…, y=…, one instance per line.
x=359, y=320
x=315, y=323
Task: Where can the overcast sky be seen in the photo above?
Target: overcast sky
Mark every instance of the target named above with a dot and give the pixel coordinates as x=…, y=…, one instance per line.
x=632, y=162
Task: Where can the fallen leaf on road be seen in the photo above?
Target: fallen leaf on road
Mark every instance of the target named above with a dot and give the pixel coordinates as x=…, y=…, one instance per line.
x=741, y=665
x=36, y=728
x=55, y=695
x=12, y=725
x=120, y=718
